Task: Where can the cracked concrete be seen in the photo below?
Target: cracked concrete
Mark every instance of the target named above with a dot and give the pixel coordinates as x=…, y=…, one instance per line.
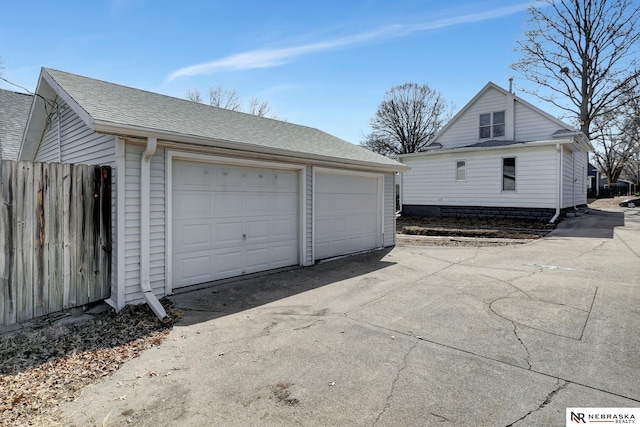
x=393, y=384
x=426, y=336
x=561, y=386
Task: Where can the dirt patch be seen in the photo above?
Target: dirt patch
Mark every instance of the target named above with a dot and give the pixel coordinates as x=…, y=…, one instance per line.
x=282, y=394
x=485, y=228
x=47, y=364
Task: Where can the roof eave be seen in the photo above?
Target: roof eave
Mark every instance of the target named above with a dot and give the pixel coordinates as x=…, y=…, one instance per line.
x=142, y=132
x=499, y=147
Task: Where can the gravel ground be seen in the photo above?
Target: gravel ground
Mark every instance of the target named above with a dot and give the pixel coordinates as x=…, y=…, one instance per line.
x=608, y=203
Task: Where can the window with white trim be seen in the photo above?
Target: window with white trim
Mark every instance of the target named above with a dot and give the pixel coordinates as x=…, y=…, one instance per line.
x=492, y=125
x=509, y=174
x=461, y=170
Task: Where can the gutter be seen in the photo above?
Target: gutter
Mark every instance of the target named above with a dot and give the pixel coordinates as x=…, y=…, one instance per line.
x=145, y=208
x=559, y=205
x=165, y=136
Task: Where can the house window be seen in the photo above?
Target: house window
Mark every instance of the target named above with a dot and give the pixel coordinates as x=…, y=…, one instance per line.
x=492, y=125
x=461, y=170
x=509, y=174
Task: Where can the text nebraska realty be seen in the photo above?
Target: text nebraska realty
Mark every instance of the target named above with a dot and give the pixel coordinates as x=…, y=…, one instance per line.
x=611, y=418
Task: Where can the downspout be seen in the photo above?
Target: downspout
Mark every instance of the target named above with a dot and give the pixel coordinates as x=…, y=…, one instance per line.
x=559, y=205
x=145, y=189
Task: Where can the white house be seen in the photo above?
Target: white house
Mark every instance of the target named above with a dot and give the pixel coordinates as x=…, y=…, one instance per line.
x=498, y=157
x=202, y=193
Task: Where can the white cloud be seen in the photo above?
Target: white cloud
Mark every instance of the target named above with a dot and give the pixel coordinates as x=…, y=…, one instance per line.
x=267, y=58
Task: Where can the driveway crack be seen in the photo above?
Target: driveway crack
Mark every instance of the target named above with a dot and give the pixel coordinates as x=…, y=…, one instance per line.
x=393, y=384
x=527, y=358
x=561, y=386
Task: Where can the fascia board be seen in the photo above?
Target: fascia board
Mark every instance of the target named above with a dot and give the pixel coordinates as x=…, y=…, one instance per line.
x=140, y=132
x=483, y=149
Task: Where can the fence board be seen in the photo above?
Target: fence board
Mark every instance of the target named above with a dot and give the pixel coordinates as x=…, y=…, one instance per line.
x=40, y=291
x=56, y=244
x=68, y=237
x=55, y=232
x=104, y=241
x=8, y=242
x=24, y=242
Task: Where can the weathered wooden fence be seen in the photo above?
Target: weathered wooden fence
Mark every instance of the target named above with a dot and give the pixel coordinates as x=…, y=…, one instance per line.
x=55, y=238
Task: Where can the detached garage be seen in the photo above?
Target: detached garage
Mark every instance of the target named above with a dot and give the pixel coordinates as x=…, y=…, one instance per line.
x=202, y=193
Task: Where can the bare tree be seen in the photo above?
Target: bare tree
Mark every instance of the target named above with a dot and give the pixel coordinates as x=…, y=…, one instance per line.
x=615, y=149
x=224, y=98
x=582, y=55
x=228, y=99
x=407, y=119
x=194, y=95
x=258, y=108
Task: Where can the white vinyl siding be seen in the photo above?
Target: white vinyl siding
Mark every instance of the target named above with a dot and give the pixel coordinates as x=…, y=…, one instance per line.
x=581, y=168
x=465, y=130
x=132, y=224
x=79, y=144
x=48, y=151
x=431, y=180
x=531, y=125
x=308, y=224
x=574, y=179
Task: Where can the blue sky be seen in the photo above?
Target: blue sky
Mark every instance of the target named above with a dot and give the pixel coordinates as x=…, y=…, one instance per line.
x=321, y=64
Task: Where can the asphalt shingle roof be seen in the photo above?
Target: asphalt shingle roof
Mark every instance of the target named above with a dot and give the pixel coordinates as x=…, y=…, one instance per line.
x=120, y=105
x=493, y=143
x=14, y=113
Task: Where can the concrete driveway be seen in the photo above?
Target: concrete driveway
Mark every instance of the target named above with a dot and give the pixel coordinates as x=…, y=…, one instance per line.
x=464, y=336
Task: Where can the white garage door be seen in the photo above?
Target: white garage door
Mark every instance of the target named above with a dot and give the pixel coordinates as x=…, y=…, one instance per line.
x=346, y=213
x=231, y=220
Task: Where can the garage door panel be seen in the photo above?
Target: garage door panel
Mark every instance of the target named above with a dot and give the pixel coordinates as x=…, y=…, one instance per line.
x=227, y=233
x=227, y=177
x=286, y=181
x=193, y=268
x=257, y=259
x=192, y=176
x=347, y=216
x=224, y=204
x=257, y=230
x=284, y=229
x=191, y=205
x=257, y=204
x=285, y=203
x=194, y=236
x=231, y=220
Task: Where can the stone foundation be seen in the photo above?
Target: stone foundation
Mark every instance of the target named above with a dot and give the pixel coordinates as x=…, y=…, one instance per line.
x=533, y=214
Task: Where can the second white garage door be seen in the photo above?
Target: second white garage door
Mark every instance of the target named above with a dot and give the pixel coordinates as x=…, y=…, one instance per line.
x=230, y=220
x=347, y=214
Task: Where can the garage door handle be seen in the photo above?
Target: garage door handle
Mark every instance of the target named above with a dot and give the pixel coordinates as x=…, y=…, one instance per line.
x=244, y=237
